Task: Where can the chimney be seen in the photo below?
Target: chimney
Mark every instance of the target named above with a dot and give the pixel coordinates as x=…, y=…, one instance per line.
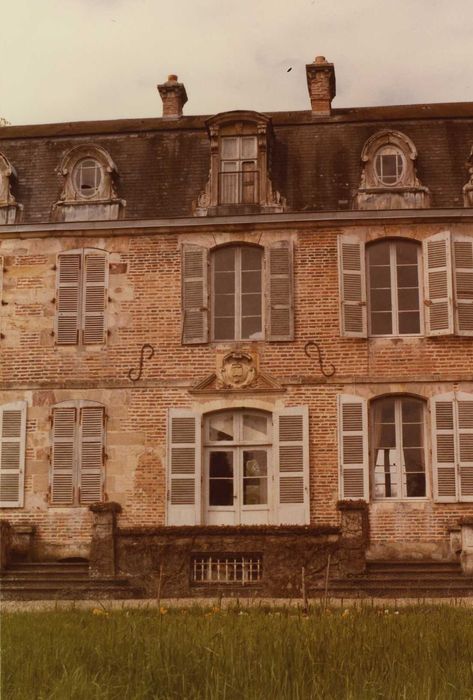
x=321, y=84
x=174, y=97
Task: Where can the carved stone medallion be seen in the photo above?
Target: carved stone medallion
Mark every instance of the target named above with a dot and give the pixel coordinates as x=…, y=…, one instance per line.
x=237, y=371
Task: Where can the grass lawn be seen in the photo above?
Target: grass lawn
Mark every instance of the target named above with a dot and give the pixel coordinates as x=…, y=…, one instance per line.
x=417, y=653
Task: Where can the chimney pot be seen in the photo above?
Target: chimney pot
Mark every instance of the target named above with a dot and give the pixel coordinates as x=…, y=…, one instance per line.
x=174, y=97
x=321, y=85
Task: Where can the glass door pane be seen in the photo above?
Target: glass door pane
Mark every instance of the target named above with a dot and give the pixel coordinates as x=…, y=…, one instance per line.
x=255, y=477
x=221, y=491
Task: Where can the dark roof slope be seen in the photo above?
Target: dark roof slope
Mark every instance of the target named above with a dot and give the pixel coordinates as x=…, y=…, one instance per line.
x=164, y=164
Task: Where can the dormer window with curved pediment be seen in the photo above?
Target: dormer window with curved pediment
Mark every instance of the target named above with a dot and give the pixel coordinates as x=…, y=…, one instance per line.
x=90, y=186
x=389, y=178
x=468, y=188
x=240, y=164
x=9, y=207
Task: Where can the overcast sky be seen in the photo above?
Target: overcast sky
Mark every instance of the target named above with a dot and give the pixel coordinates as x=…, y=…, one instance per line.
x=71, y=60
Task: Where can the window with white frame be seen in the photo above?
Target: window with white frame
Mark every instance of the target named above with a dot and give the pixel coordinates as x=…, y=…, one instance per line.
x=249, y=295
x=12, y=454
x=82, y=280
x=238, y=467
x=398, y=447
x=404, y=290
x=389, y=165
x=78, y=453
x=239, y=175
x=87, y=176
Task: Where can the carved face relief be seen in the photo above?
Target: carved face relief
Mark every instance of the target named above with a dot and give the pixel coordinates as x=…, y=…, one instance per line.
x=237, y=370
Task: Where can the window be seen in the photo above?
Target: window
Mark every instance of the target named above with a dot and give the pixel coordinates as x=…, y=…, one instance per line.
x=398, y=448
x=389, y=165
x=234, y=299
x=393, y=274
x=12, y=454
x=226, y=569
x=82, y=280
x=239, y=170
x=398, y=303
x=238, y=467
x=77, y=461
x=9, y=207
x=87, y=176
x=237, y=293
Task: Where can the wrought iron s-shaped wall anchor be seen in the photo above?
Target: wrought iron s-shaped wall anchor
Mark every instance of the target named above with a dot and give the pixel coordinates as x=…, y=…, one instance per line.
x=313, y=344
x=135, y=374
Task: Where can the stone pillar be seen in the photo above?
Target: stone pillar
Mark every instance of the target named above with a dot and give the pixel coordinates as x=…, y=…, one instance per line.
x=174, y=97
x=466, y=556
x=102, y=546
x=354, y=536
x=6, y=532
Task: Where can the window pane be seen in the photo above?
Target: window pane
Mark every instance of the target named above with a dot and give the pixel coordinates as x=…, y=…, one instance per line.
x=224, y=282
x=406, y=252
x=385, y=411
x=381, y=324
x=407, y=276
x=221, y=488
x=412, y=411
x=254, y=463
x=386, y=474
x=254, y=488
x=251, y=328
x=224, y=305
x=221, y=427
x=224, y=259
x=251, y=304
x=255, y=492
x=408, y=299
x=379, y=254
x=415, y=485
x=251, y=258
x=412, y=434
x=409, y=322
x=255, y=428
x=248, y=147
x=380, y=300
x=221, y=464
x=88, y=176
x=251, y=281
x=380, y=277
x=229, y=147
x=414, y=459
x=224, y=328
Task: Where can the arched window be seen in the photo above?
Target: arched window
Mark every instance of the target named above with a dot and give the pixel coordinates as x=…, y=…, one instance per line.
x=394, y=287
x=398, y=447
x=237, y=302
x=87, y=177
x=389, y=165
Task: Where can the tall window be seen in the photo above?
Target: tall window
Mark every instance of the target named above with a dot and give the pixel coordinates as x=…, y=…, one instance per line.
x=237, y=467
x=237, y=297
x=238, y=177
x=393, y=281
x=398, y=448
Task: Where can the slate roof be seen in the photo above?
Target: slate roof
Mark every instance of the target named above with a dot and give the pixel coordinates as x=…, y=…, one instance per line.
x=163, y=164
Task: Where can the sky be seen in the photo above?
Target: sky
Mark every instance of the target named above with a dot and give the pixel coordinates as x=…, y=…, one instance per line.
x=74, y=60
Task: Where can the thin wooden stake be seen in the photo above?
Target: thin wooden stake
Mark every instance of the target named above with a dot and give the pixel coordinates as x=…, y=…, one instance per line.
x=327, y=574
x=305, y=605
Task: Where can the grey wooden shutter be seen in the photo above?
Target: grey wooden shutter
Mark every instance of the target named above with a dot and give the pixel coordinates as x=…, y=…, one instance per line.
x=279, y=291
x=438, y=284
x=443, y=448
x=291, y=457
x=69, y=283
x=12, y=454
x=195, y=313
x=352, y=283
x=64, y=455
x=94, y=295
x=463, y=278
x=464, y=404
x=353, y=447
x=92, y=422
x=184, y=505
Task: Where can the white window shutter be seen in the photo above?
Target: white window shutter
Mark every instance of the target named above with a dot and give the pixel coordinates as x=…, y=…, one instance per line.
x=463, y=278
x=464, y=403
x=443, y=448
x=94, y=296
x=12, y=454
x=353, y=447
x=92, y=431
x=291, y=458
x=184, y=505
x=195, y=314
x=438, y=284
x=352, y=283
x=64, y=455
x=68, y=294
x=279, y=291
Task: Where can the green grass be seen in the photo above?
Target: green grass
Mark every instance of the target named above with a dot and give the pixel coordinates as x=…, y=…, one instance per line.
x=417, y=653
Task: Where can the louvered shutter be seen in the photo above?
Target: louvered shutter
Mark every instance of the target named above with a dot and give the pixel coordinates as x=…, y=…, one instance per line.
x=443, y=448
x=92, y=422
x=463, y=277
x=438, y=284
x=352, y=282
x=291, y=456
x=184, y=468
x=94, y=295
x=64, y=455
x=353, y=447
x=194, y=294
x=279, y=291
x=12, y=454
x=68, y=298
x=464, y=403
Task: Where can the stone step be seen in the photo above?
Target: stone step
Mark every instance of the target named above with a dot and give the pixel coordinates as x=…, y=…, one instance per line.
x=56, y=579
x=411, y=566
x=394, y=585
x=414, y=575
x=19, y=593
x=411, y=592
x=34, y=567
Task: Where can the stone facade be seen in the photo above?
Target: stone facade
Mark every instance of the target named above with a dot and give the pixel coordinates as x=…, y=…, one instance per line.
x=139, y=387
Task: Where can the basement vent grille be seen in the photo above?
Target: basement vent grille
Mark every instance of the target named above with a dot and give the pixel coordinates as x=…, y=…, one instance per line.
x=231, y=569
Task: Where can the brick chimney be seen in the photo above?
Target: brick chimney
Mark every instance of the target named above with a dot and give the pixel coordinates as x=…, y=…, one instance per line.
x=321, y=84
x=174, y=97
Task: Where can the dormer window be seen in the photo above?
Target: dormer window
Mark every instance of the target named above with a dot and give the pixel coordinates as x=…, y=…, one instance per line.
x=389, y=166
x=87, y=177
x=240, y=179
x=9, y=207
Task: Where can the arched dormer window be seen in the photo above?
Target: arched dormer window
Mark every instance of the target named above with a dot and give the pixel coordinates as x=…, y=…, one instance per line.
x=468, y=188
x=389, y=179
x=89, y=187
x=240, y=165
x=8, y=204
